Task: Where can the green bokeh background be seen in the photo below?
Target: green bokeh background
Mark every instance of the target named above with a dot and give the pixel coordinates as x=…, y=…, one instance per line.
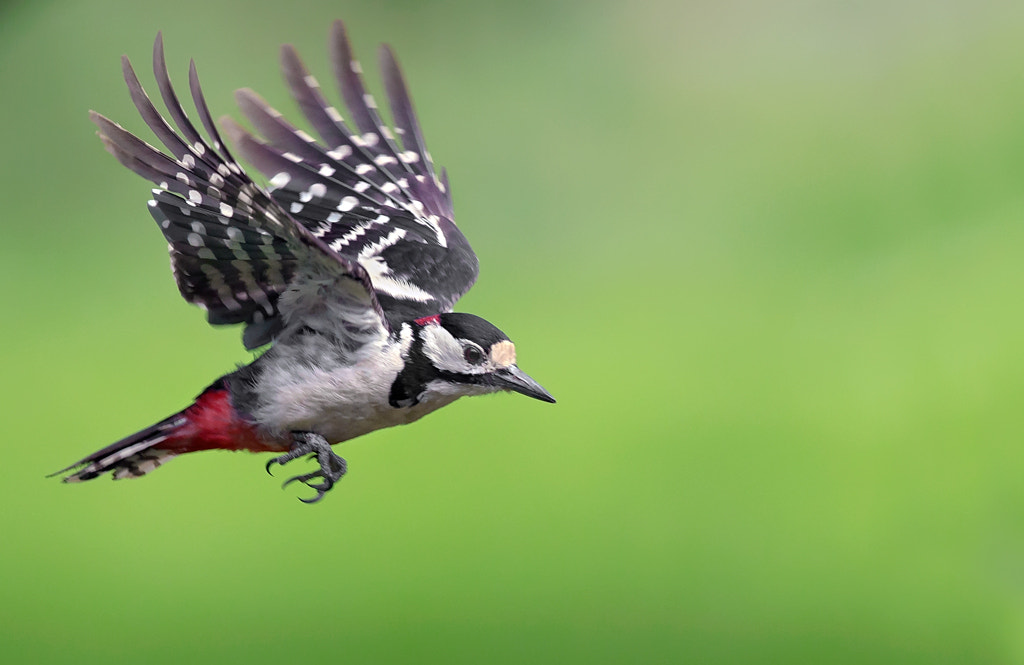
x=768, y=256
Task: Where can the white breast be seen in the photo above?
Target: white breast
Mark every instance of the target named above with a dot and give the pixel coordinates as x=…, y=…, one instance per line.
x=311, y=385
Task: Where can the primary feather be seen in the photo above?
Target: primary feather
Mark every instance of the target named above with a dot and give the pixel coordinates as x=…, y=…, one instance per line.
x=234, y=250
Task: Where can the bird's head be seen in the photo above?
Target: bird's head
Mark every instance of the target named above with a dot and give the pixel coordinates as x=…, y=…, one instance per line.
x=459, y=354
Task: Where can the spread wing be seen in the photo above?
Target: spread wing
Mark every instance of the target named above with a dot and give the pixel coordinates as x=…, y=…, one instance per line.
x=371, y=194
x=234, y=250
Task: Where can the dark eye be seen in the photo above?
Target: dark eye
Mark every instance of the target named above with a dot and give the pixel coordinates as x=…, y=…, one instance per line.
x=473, y=355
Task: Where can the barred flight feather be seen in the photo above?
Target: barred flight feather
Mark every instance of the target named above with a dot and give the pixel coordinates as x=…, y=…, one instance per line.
x=337, y=186
x=234, y=250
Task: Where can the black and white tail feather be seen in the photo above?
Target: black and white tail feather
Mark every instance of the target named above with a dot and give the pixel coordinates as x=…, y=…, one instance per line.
x=131, y=457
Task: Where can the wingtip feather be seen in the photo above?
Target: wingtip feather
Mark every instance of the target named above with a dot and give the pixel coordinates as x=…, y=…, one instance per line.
x=232, y=130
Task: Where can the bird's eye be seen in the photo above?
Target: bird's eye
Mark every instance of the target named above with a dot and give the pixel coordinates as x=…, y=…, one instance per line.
x=473, y=355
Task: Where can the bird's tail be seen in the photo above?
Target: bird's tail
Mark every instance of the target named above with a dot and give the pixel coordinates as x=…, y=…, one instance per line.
x=210, y=423
x=132, y=456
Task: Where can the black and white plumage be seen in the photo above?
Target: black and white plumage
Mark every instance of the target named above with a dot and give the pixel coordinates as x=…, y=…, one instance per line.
x=348, y=266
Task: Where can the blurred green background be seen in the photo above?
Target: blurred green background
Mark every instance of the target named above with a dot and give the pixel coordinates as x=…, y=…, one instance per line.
x=768, y=256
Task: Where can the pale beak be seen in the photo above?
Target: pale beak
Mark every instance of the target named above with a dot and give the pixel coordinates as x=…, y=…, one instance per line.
x=513, y=378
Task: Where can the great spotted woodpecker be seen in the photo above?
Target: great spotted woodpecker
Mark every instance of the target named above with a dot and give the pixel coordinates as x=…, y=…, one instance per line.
x=346, y=269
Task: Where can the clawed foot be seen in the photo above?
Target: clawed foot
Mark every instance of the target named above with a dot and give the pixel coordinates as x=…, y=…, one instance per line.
x=332, y=467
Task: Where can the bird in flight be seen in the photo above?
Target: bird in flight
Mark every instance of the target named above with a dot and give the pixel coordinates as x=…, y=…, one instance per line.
x=345, y=269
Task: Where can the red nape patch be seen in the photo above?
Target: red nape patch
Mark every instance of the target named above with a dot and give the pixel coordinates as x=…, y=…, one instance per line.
x=213, y=423
x=427, y=320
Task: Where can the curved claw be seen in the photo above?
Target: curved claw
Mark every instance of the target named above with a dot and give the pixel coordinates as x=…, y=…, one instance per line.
x=322, y=488
x=332, y=467
x=302, y=479
x=319, y=495
x=290, y=481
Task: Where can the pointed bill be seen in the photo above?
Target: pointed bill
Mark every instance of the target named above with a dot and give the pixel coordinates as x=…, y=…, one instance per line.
x=519, y=381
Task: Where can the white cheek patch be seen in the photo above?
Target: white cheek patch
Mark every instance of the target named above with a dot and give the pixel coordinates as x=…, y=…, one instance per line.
x=503, y=354
x=447, y=353
x=443, y=350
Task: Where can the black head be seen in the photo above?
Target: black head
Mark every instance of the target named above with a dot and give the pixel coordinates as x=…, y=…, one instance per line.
x=471, y=327
x=463, y=354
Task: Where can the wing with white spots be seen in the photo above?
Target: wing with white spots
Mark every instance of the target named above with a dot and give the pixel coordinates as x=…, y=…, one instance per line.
x=234, y=250
x=370, y=193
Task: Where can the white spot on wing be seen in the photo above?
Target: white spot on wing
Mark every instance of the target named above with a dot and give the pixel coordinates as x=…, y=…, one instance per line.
x=348, y=238
x=316, y=190
x=340, y=153
x=384, y=281
x=252, y=287
x=390, y=239
x=224, y=292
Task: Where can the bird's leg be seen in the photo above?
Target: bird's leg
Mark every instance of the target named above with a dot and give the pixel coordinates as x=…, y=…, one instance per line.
x=332, y=467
